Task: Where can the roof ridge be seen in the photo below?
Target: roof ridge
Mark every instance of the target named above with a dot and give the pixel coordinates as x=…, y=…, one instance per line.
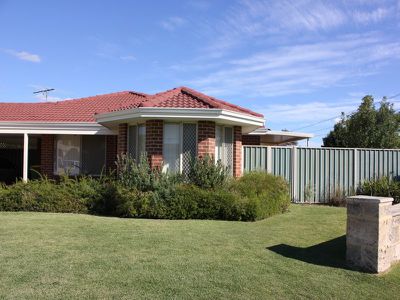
x=217, y=102
x=153, y=100
x=200, y=96
x=81, y=98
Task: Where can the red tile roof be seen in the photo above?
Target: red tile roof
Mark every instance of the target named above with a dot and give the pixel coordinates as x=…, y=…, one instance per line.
x=84, y=109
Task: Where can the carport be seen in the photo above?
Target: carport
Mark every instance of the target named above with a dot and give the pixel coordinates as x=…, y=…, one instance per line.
x=19, y=157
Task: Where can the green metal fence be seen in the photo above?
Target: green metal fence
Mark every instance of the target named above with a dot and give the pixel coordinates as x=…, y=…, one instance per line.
x=319, y=174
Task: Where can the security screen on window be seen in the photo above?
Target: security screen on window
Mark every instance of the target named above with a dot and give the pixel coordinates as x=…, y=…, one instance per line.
x=79, y=154
x=68, y=154
x=136, y=141
x=179, y=147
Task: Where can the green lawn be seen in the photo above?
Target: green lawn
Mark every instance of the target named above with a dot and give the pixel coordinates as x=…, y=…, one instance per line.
x=296, y=255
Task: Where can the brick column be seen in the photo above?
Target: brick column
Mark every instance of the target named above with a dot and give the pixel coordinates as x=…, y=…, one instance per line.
x=206, y=138
x=122, y=146
x=154, y=142
x=237, y=151
x=111, y=152
x=47, y=155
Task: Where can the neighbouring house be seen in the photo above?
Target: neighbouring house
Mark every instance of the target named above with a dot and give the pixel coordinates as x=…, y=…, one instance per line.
x=84, y=136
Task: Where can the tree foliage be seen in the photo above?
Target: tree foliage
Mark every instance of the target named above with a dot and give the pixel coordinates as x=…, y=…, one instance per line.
x=368, y=127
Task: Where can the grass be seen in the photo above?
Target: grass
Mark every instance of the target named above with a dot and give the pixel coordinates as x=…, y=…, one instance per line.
x=296, y=255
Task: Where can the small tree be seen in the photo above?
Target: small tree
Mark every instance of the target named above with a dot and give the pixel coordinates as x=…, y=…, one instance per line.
x=368, y=127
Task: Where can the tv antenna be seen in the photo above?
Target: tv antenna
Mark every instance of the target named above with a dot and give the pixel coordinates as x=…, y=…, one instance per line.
x=44, y=92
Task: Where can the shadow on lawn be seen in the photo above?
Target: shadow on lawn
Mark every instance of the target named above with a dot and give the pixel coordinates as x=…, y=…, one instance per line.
x=330, y=253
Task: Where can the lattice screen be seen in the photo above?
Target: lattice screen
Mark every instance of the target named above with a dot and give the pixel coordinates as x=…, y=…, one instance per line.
x=228, y=148
x=189, y=146
x=132, y=141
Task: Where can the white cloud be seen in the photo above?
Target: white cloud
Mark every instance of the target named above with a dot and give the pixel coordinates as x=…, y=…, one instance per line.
x=301, y=68
x=173, y=23
x=24, y=55
x=263, y=20
x=301, y=114
x=128, y=57
x=374, y=16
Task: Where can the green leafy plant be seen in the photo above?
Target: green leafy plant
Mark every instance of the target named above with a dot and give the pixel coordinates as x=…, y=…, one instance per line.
x=206, y=174
x=383, y=186
x=268, y=193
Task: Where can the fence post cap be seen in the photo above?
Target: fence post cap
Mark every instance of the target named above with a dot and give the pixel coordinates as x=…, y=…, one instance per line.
x=369, y=199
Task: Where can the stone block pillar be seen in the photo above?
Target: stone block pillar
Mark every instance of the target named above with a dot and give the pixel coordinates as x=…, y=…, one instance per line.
x=368, y=243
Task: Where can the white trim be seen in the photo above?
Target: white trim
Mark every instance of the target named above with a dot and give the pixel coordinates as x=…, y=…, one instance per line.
x=269, y=159
x=181, y=114
x=265, y=131
x=54, y=128
x=25, y=158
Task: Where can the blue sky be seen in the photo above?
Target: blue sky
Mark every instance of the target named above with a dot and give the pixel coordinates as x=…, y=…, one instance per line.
x=298, y=62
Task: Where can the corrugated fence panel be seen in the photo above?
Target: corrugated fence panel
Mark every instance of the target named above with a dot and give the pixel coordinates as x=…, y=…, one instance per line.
x=319, y=174
x=375, y=163
x=254, y=158
x=281, y=164
x=323, y=173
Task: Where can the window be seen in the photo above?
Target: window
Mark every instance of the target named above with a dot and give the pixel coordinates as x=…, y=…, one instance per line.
x=93, y=154
x=179, y=147
x=136, y=141
x=68, y=154
x=79, y=154
x=224, y=146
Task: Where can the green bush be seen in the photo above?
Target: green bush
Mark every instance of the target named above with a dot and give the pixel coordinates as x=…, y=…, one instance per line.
x=69, y=196
x=137, y=191
x=268, y=194
x=383, y=186
x=192, y=202
x=206, y=174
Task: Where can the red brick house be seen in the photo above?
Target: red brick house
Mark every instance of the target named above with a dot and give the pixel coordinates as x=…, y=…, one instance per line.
x=85, y=135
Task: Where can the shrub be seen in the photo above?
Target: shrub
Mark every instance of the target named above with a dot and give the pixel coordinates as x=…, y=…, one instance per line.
x=138, y=191
x=338, y=195
x=193, y=202
x=383, y=186
x=268, y=194
x=206, y=174
x=46, y=196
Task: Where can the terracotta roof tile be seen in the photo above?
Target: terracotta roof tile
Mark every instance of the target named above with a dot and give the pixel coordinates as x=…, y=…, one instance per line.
x=84, y=109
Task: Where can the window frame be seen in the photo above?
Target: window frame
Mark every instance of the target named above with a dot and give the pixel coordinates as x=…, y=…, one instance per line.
x=55, y=155
x=136, y=148
x=181, y=124
x=223, y=143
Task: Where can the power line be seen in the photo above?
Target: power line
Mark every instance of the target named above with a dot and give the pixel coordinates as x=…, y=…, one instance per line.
x=337, y=116
x=392, y=97
x=319, y=122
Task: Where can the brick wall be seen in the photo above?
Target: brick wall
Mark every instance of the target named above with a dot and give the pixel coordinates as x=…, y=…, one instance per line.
x=154, y=142
x=122, y=146
x=111, y=151
x=47, y=155
x=206, y=138
x=251, y=140
x=237, y=151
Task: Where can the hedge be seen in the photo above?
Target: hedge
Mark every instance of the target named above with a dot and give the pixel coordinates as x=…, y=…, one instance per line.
x=137, y=191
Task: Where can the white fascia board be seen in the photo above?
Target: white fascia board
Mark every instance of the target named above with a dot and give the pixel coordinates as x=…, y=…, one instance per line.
x=54, y=128
x=263, y=131
x=180, y=113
